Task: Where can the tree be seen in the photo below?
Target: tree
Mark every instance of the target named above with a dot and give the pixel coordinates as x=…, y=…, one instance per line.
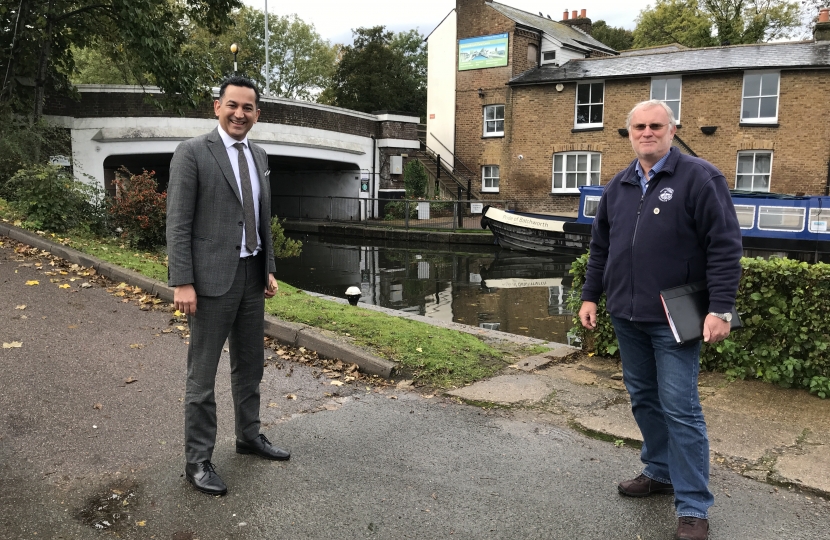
x=732, y=22
x=301, y=62
x=40, y=36
x=618, y=39
x=673, y=21
x=381, y=71
x=753, y=21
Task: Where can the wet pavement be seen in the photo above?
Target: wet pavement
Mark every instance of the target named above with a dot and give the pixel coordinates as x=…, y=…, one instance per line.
x=91, y=431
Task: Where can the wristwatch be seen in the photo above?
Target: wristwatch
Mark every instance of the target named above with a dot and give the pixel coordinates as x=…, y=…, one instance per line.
x=722, y=316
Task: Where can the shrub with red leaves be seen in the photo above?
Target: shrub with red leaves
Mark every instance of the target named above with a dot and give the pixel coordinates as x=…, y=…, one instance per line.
x=138, y=209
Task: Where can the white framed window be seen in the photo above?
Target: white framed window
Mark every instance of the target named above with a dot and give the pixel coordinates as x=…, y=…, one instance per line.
x=781, y=218
x=548, y=56
x=574, y=169
x=759, y=104
x=490, y=178
x=746, y=215
x=494, y=120
x=589, y=104
x=819, y=218
x=589, y=209
x=754, y=168
x=668, y=90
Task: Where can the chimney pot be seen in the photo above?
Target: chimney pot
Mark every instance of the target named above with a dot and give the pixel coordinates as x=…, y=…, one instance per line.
x=565, y=15
x=824, y=15
x=582, y=14
x=573, y=14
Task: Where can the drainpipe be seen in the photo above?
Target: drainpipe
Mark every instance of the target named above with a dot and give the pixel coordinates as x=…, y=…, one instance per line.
x=372, y=182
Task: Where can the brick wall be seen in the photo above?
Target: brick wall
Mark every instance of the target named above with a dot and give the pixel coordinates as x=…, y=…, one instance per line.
x=539, y=123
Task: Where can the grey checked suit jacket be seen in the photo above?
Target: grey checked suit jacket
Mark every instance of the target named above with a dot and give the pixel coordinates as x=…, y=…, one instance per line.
x=204, y=215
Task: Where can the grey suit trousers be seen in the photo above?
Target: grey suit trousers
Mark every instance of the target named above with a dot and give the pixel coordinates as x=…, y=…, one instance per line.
x=237, y=316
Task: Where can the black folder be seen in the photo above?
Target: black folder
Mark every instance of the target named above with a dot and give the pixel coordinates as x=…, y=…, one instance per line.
x=686, y=308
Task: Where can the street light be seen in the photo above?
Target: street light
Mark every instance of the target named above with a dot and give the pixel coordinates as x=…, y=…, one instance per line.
x=267, y=66
x=234, y=50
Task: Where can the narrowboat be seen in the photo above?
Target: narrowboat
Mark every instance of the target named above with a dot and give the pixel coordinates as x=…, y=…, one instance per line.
x=771, y=224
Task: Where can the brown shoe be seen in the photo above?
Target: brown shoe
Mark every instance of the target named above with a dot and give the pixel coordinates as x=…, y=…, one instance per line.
x=643, y=486
x=692, y=528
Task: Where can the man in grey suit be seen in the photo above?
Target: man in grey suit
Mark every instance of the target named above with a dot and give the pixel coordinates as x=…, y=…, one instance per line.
x=221, y=263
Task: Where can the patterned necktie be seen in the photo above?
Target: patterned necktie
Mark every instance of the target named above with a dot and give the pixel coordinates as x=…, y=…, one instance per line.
x=247, y=200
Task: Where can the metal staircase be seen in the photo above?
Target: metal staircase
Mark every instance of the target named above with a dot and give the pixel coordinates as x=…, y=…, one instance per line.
x=446, y=181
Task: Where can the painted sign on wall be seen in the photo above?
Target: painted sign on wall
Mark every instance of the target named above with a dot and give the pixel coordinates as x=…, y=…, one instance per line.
x=482, y=52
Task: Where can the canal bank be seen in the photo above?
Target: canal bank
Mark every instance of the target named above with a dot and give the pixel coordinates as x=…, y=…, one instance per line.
x=378, y=232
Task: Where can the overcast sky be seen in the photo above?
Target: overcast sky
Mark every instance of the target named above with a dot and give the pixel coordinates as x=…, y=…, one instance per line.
x=335, y=19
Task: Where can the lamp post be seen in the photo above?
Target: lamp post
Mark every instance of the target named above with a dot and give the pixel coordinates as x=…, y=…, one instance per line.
x=234, y=50
x=267, y=66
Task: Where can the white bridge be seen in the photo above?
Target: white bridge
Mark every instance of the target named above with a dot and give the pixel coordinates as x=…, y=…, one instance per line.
x=312, y=149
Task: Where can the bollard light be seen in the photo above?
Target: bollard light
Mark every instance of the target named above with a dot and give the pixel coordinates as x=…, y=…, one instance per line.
x=353, y=295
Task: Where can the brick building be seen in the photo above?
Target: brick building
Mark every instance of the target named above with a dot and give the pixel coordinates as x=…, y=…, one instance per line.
x=536, y=130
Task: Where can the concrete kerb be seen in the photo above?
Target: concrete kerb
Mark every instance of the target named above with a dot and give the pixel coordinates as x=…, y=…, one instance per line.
x=293, y=334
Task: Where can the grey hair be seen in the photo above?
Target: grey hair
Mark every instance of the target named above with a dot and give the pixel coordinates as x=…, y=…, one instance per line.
x=648, y=104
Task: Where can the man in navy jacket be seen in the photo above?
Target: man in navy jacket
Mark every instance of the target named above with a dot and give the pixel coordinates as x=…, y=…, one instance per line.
x=666, y=220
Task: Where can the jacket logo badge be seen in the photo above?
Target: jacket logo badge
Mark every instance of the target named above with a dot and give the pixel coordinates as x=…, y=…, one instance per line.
x=666, y=194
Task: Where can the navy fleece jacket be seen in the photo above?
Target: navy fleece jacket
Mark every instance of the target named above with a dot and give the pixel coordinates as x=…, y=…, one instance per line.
x=684, y=229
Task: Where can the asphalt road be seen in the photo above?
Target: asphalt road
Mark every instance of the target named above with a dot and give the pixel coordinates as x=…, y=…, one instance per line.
x=86, y=454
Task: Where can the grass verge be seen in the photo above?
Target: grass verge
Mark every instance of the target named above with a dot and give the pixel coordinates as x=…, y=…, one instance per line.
x=434, y=356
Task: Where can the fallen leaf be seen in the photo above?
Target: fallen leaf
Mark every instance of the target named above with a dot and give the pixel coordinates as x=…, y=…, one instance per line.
x=177, y=313
x=12, y=345
x=85, y=285
x=64, y=286
x=136, y=346
x=98, y=406
x=21, y=306
x=141, y=523
x=290, y=396
x=419, y=349
x=272, y=405
x=32, y=282
x=181, y=328
x=130, y=380
x=337, y=383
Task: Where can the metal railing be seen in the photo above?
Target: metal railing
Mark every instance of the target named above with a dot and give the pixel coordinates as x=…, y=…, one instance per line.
x=385, y=212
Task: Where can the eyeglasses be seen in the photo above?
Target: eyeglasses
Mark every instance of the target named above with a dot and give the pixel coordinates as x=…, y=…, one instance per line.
x=652, y=127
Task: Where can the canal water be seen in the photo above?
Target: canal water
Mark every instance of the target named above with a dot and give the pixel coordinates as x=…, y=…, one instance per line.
x=480, y=286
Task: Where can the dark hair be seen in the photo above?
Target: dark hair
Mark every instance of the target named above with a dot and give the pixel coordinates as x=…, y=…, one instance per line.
x=238, y=80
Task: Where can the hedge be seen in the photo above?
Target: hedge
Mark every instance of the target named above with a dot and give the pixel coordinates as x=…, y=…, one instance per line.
x=784, y=305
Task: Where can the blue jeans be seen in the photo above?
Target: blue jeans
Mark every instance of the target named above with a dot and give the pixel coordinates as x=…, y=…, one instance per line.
x=661, y=377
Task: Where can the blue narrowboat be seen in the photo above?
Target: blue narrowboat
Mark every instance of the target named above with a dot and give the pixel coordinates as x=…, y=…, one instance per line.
x=772, y=225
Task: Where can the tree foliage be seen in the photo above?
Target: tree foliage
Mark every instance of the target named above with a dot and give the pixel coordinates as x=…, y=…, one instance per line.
x=618, y=39
x=673, y=21
x=381, y=71
x=40, y=38
x=711, y=22
x=301, y=62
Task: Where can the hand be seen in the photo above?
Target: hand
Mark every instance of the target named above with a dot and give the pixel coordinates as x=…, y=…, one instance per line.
x=715, y=329
x=588, y=315
x=184, y=299
x=272, y=287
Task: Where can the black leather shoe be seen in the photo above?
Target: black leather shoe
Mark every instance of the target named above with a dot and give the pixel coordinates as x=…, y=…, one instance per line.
x=204, y=478
x=262, y=447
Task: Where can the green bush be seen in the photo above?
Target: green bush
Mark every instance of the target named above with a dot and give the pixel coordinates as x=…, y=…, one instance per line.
x=284, y=247
x=397, y=210
x=51, y=199
x=415, y=179
x=24, y=145
x=138, y=209
x=784, y=305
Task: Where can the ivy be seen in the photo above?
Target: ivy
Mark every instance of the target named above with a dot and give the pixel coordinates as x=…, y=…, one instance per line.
x=785, y=309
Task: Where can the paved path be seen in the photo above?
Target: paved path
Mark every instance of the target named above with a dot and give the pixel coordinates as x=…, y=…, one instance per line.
x=83, y=450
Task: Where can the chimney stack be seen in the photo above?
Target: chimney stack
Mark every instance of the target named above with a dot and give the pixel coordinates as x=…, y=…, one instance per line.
x=577, y=19
x=822, y=30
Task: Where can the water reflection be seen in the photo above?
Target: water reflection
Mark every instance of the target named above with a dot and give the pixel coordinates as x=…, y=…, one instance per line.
x=479, y=286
